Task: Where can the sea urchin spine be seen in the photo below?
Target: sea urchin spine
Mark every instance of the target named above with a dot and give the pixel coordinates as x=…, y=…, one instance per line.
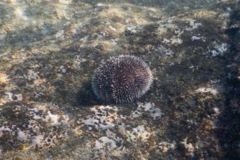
x=121, y=79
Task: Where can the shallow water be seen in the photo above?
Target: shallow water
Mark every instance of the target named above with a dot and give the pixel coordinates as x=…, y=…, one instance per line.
x=49, y=50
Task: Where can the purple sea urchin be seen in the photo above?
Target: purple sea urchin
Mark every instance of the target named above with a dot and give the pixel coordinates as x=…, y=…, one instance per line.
x=121, y=79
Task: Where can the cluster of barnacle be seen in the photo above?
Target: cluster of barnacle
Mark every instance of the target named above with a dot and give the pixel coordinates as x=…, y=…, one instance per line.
x=114, y=127
x=103, y=117
x=148, y=108
x=38, y=126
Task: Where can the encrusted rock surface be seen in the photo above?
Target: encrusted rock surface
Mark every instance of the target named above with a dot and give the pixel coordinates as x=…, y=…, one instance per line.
x=49, y=50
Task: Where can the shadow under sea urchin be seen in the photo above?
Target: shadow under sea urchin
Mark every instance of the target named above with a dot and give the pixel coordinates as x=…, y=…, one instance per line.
x=121, y=79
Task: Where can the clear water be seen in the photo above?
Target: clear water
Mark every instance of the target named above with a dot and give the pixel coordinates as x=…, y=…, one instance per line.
x=49, y=50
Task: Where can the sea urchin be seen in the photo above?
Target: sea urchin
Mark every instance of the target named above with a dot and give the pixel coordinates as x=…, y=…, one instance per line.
x=121, y=79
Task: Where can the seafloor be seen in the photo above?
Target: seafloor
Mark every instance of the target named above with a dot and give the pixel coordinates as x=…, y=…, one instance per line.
x=50, y=48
